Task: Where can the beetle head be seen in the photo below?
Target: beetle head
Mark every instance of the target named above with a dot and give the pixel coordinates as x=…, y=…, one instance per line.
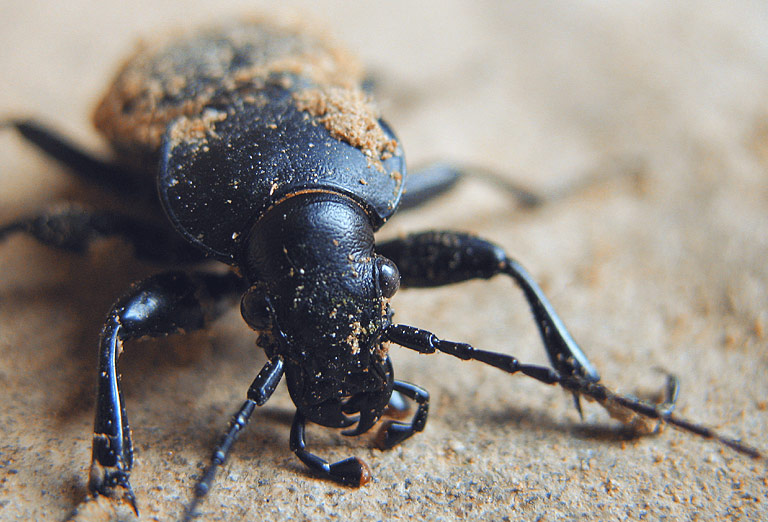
x=321, y=295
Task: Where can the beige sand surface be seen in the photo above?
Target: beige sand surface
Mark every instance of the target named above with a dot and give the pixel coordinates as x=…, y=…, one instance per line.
x=662, y=270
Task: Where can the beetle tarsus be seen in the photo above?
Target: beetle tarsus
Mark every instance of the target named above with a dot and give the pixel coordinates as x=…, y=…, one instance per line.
x=627, y=408
x=120, y=506
x=349, y=472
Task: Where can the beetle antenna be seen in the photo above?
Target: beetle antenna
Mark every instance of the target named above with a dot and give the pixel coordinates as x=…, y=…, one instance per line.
x=203, y=486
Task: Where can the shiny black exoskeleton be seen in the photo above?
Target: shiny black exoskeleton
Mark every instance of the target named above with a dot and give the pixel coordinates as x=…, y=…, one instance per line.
x=267, y=156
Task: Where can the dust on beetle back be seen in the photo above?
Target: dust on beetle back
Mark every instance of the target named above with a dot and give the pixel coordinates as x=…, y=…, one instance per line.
x=177, y=78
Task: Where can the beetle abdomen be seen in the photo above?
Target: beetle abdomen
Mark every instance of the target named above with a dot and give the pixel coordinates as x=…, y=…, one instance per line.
x=182, y=75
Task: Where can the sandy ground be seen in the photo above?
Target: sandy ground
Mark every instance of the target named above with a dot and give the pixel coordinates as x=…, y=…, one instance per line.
x=666, y=269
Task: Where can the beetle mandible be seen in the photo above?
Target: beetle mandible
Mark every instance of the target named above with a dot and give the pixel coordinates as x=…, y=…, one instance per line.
x=267, y=155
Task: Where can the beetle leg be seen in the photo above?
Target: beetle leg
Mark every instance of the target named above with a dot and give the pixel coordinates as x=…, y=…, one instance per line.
x=397, y=407
x=75, y=229
x=89, y=168
x=163, y=304
x=259, y=392
x=431, y=181
x=394, y=432
x=428, y=183
x=439, y=258
x=436, y=179
x=350, y=472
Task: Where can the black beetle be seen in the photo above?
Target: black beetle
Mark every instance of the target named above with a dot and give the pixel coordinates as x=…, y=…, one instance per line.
x=268, y=156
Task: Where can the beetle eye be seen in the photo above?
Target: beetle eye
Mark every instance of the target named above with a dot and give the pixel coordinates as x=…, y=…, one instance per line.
x=388, y=275
x=255, y=309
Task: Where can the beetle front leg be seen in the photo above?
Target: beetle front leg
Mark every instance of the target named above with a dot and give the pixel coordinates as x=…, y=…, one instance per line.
x=350, y=472
x=394, y=432
x=439, y=258
x=163, y=304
